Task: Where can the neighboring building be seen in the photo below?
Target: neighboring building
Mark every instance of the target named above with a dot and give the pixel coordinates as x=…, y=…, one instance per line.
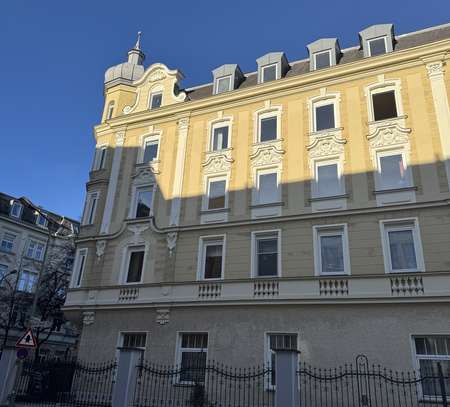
x=304, y=205
x=24, y=238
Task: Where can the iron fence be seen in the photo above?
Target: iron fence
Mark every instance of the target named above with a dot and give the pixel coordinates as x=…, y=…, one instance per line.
x=362, y=385
x=205, y=385
x=71, y=383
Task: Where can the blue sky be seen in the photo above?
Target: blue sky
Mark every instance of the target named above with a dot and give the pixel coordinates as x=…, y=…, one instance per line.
x=53, y=54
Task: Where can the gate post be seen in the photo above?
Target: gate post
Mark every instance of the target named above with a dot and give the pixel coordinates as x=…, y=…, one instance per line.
x=286, y=364
x=8, y=371
x=126, y=376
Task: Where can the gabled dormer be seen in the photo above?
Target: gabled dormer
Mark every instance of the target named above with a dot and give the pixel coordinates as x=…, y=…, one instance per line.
x=377, y=39
x=272, y=66
x=227, y=77
x=323, y=53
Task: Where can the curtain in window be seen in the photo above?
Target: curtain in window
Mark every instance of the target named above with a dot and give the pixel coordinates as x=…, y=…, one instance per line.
x=213, y=261
x=332, y=254
x=403, y=254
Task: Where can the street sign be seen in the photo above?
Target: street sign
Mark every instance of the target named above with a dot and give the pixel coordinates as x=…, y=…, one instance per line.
x=22, y=353
x=27, y=340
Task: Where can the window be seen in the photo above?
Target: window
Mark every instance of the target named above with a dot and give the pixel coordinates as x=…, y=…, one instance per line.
x=134, y=340
x=268, y=128
x=155, y=100
x=216, y=193
x=266, y=254
x=80, y=264
x=110, y=112
x=3, y=272
x=328, y=179
x=324, y=117
x=143, y=205
x=402, y=246
x=35, y=250
x=150, y=151
x=384, y=105
x=377, y=46
x=27, y=281
x=211, y=259
x=91, y=206
x=269, y=73
x=331, y=250
x=100, y=158
x=219, y=138
x=278, y=341
x=429, y=351
x=191, y=357
x=41, y=220
x=268, y=191
x=223, y=84
x=16, y=209
x=322, y=59
x=135, y=265
x=392, y=171
x=8, y=242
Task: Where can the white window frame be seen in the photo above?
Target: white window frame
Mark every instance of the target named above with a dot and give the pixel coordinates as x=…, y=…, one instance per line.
x=315, y=184
x=254, y=255
x=6, y=232
x=331, y=230
x=380, y=153
x=179, y=351
x=35, y=242
x=120, y=339
x=152, y=95
x=110, y=110
x=328, y=51
x=90, y=208
x=322, y=100
x=5, y=269
x=16, y=204
x=208, y=180
x=229, y=77
x=38, y=217
x=98, y=163
x=27, y=280
x=79, y=267
x=134, y=200
x=205, y=241
x=126, y=262
x=369, y=51
x=217, y=125
x=154, y=137
x=263, y=68
x=267, y=352
x=399, y=225
x=264, y=113
x=256, y=190
x=380, y=87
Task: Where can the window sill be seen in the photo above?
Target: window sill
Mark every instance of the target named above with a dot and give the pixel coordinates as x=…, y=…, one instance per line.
x=384, y=121
x=405, y=272
x=146, y=164
x=267, y=143
x=394, y=190
x=221, y=151
x=266, y=205
x=328, y=198
x=7, y=251
x=219, y=210
x=324, y=132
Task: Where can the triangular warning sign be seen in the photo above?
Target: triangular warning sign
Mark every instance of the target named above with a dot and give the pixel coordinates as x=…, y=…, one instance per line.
x=27, y=340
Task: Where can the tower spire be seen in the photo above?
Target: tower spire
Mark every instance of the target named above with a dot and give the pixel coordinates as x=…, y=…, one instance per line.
x=135, y=55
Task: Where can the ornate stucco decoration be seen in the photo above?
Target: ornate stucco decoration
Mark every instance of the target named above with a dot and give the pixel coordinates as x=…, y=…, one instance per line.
x=435, y=69
x=120, y=138
x=171, y=239
x=388, y=134
x=100, y=247
x=137, y=231
x=217, y=161
x=163, y=316
x=267, y=153
x=326, y=145
x=158, y=78
x=145, y=174
x=88, y=317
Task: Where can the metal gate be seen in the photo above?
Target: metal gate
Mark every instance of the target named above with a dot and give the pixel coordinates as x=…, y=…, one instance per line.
x=73, y=383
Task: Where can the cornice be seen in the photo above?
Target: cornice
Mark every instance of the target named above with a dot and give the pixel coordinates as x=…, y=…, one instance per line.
x=312, y=80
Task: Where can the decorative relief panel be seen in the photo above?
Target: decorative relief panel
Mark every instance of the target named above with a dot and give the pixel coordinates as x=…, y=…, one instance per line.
x=217, y=161
x=324, y=145
x=171, y=239
x=267, y=153
x=145, y=173
x=137, y=231
x=163, y=316
x=100, y=247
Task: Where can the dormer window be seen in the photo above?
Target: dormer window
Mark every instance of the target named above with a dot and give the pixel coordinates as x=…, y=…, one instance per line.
x=322, y=59
x=155, y=100
x=223, y=84
x=377, y=46
x=377, y=40
x=16, y=209
x=269, y=73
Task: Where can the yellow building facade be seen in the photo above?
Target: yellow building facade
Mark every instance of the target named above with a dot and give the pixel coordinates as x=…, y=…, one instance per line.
x=306, y=203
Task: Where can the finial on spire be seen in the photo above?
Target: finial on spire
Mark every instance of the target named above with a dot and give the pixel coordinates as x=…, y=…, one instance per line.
x=138, y=42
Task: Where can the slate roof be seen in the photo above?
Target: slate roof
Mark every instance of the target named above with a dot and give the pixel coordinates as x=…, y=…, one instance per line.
x=297, y=68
